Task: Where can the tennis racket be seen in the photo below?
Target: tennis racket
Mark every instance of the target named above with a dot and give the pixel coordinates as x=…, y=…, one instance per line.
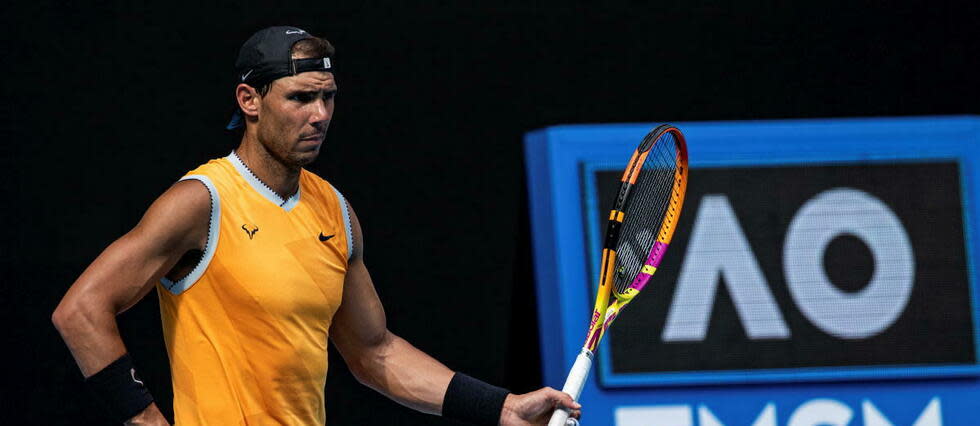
x=641, y=225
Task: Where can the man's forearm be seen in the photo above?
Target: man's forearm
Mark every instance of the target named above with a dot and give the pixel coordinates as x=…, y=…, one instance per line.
x=94, y=341
x=405, y=374
x=91, y=335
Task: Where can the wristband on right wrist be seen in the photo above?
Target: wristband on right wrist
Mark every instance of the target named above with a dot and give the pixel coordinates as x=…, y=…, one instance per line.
x=117, y=387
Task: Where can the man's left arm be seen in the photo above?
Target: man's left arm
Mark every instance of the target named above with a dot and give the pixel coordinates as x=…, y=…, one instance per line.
x=390, y=365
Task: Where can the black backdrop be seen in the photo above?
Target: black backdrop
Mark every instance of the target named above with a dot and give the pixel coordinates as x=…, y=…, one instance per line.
x=106, y=104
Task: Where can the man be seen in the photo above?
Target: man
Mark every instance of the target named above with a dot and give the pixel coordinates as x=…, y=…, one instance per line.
x=258, y=262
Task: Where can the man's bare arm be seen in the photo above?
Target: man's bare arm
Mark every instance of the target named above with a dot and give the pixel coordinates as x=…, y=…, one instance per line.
x=126, y=271
x=377, y=357
x=390, y=365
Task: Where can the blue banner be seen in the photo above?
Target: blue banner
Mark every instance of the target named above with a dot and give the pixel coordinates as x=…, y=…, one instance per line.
x=822, y=273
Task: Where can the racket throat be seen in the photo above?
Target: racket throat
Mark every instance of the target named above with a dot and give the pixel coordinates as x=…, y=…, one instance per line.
x=598, y=330
x=592, y=340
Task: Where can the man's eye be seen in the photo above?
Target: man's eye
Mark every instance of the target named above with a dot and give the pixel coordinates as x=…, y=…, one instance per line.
x=310, y=97
x=302, y=97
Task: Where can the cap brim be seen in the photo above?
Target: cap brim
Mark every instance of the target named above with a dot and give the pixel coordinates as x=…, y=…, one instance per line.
x=236, y=121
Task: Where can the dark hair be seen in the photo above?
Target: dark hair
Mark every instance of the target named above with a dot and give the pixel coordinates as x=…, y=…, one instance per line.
x=314, y=47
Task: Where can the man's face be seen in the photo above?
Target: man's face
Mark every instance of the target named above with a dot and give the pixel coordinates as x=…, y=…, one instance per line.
x=295, y=114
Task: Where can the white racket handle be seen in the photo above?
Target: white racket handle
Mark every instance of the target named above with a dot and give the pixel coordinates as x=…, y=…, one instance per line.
x=573, y=385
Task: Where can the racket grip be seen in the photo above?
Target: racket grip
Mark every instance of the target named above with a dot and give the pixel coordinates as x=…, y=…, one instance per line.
x=573, y=385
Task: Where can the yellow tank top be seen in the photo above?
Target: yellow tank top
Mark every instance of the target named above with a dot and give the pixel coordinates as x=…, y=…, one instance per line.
x=246, y=330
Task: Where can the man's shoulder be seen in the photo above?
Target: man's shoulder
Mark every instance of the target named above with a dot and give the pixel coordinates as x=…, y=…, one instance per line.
x=195, y=194
x=184, y=208
x=192, y=194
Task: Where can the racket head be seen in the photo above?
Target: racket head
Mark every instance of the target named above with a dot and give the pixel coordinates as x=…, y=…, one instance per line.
x=641, y=223
x=651, y=210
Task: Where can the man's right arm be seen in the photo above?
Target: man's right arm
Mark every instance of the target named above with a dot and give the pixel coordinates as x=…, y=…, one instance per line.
x=125, y=272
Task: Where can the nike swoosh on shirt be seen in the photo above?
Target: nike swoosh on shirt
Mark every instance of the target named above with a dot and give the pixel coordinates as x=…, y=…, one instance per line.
x=324, y=238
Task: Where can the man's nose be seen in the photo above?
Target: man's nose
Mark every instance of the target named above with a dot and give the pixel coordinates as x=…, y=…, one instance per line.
x=322, y=112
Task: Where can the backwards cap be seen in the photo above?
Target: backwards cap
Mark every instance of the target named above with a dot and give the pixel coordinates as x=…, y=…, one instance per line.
x=266, y=56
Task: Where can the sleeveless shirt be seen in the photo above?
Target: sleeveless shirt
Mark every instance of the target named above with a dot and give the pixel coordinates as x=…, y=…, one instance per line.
x=246, y=330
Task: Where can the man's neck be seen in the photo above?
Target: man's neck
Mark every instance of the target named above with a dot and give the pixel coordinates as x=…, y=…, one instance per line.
x=281, y=179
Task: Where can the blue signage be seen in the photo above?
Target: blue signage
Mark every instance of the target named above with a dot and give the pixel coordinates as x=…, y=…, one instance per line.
x=822, y=273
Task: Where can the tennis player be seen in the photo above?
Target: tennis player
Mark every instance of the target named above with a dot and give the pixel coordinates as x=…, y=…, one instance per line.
x=257, y=262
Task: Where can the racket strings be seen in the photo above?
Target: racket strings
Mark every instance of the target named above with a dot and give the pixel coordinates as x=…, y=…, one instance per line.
x=644, y=214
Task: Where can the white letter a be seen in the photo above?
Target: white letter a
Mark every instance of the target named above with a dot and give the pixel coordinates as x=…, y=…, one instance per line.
x=717, y=248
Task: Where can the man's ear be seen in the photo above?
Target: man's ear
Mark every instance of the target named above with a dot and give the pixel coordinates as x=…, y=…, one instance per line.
x=248, y=100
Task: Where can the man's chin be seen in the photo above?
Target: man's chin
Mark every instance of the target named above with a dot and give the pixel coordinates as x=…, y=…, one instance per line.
x=303, y=158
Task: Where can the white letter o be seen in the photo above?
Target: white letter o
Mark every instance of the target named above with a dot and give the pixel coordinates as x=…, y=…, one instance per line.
x=825, y=217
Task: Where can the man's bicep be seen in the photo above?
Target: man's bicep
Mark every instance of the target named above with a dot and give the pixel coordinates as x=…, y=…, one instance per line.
x=360, y=322
x=361, y=315
x=128, y=268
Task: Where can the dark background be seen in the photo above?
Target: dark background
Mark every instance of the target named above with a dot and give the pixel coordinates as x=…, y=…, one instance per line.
x=105, y=104
x=939, y=300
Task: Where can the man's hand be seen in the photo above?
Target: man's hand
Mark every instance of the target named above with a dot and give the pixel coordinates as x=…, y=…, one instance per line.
x=535, y=408
x=151, y=416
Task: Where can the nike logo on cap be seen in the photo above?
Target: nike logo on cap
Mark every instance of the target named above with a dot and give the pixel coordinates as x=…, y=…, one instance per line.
x=246, y=74
x=295, y=32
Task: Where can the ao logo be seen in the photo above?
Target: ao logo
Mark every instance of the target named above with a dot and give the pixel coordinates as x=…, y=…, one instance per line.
x=718, y=247
x=815, y=412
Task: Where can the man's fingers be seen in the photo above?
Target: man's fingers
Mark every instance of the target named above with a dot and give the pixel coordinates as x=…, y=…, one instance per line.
x=564, y=399
x=567, y=401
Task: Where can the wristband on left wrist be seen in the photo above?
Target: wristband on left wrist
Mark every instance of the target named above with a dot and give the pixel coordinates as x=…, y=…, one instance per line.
x=473, y=401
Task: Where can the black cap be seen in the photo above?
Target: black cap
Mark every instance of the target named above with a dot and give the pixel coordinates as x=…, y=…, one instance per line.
x=266, y=56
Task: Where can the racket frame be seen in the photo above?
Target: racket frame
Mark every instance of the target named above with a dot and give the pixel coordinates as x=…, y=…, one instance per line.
x=604, y=312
